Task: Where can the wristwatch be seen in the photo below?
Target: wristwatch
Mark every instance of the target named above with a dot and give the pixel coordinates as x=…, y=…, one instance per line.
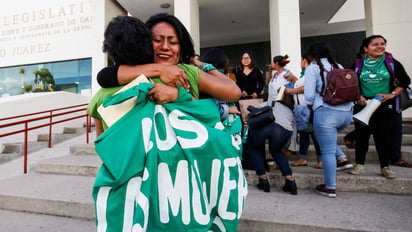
x=394, y=93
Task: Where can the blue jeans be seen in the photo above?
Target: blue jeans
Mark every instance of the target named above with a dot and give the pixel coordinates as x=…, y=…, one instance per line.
x=278, y=137
x=304, y=142
x=327, y=123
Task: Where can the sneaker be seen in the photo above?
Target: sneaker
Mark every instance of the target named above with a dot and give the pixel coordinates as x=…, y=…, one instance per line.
x=344, y=165
x=357, y=169
x=322, y=190
x=388, y=173
x=264, y=184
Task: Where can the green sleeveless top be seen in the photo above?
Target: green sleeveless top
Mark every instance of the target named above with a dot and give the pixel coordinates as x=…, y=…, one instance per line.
x=192, y=73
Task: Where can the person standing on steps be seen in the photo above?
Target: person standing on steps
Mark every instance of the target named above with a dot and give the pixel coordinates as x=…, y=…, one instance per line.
x=328, y=120
x=306, y=134
x=278, y=133
x=379, y=75
x=248, y=77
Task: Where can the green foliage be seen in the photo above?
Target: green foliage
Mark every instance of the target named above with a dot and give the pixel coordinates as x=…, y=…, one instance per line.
x=27, y=88
x=22, y=71
x=44, y=76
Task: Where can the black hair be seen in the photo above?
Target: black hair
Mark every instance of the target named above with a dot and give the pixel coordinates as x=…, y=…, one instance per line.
x=216, y=57
x=281, y=60
x=127, y=40
x=252, y=59
x=307, y=57
x=368, y=40
x=320, y=50
x=186, y=44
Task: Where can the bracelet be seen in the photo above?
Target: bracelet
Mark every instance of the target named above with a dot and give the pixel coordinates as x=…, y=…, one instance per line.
x=207, y=67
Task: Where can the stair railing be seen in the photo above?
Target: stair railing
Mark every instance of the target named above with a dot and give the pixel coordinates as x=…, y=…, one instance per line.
x=79, y=111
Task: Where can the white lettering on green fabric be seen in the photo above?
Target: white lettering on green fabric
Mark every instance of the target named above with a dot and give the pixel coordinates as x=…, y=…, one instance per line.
x=146, y=131
x=214, y=183
x=228, y=185
x=101, y=207
x=191, y=126
x=135, y=197
x=177, y=194
x=170, y=141
x=236, y=140
x=241, y=189
x=199, y=199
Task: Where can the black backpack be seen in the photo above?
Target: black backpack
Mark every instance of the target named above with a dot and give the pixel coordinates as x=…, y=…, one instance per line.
x=342, y=86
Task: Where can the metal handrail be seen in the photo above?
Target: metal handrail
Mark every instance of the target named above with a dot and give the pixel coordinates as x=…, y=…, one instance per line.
x=51, y=114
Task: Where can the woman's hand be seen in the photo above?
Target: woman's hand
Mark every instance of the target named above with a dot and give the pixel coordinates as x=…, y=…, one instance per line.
x=234, y=110
x=254, y=95
x=174, y=76
x=162, y=93
x=386, y=96
x=244, y=94
x=362, y=101
x=195, y=60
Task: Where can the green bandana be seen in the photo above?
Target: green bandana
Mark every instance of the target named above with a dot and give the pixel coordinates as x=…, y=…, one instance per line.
x=373, y=65
x=374, y=77
x=168, y=167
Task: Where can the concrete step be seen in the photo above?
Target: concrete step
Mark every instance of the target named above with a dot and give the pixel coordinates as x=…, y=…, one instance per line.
x=82, y=165
x=310, y=212
x=55, y=138
x=58, y=195
x=274, y=211
x=42, y=223
x=19, y=147
x=83, y=149
x=307, y=177
x=372, y=155
x=406, y=139
x=371, y=181
x=406, y=128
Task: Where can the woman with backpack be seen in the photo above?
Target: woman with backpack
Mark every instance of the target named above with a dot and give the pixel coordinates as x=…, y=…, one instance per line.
x=328, y=119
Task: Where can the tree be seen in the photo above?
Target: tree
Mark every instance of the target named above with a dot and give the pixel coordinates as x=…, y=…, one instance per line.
x=44, y=76
x=22, y=71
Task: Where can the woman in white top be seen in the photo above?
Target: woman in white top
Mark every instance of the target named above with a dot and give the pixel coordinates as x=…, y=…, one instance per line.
x=278, y=133
x=306, y=134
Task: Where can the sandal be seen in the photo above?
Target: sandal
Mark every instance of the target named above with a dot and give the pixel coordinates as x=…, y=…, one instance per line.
x=403, y=163
x=318, y=165
x=300, y=162
x=288, y=153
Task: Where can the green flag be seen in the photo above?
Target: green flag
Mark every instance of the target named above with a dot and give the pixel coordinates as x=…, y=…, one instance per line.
x=173, y=166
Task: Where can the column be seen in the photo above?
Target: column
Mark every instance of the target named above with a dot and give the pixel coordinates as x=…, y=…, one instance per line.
x=392, y=20
x=285, y=31
x=188, y=13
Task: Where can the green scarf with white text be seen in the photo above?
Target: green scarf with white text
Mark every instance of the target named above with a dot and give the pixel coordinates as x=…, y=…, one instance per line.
x=173, y=166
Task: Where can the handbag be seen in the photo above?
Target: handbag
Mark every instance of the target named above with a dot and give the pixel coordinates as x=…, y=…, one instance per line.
x=303, y=118
x=405, y=99
x=260, y=117
x=285, y=99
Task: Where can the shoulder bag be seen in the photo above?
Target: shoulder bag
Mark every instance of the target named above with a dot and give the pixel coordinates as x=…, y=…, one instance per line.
x=405, y=99
x=260, y=117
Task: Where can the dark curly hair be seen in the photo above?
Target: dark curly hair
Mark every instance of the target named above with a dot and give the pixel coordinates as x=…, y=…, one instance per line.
x=186, y=44
x=127, y=40
x=281, y=60
x=216, y=57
